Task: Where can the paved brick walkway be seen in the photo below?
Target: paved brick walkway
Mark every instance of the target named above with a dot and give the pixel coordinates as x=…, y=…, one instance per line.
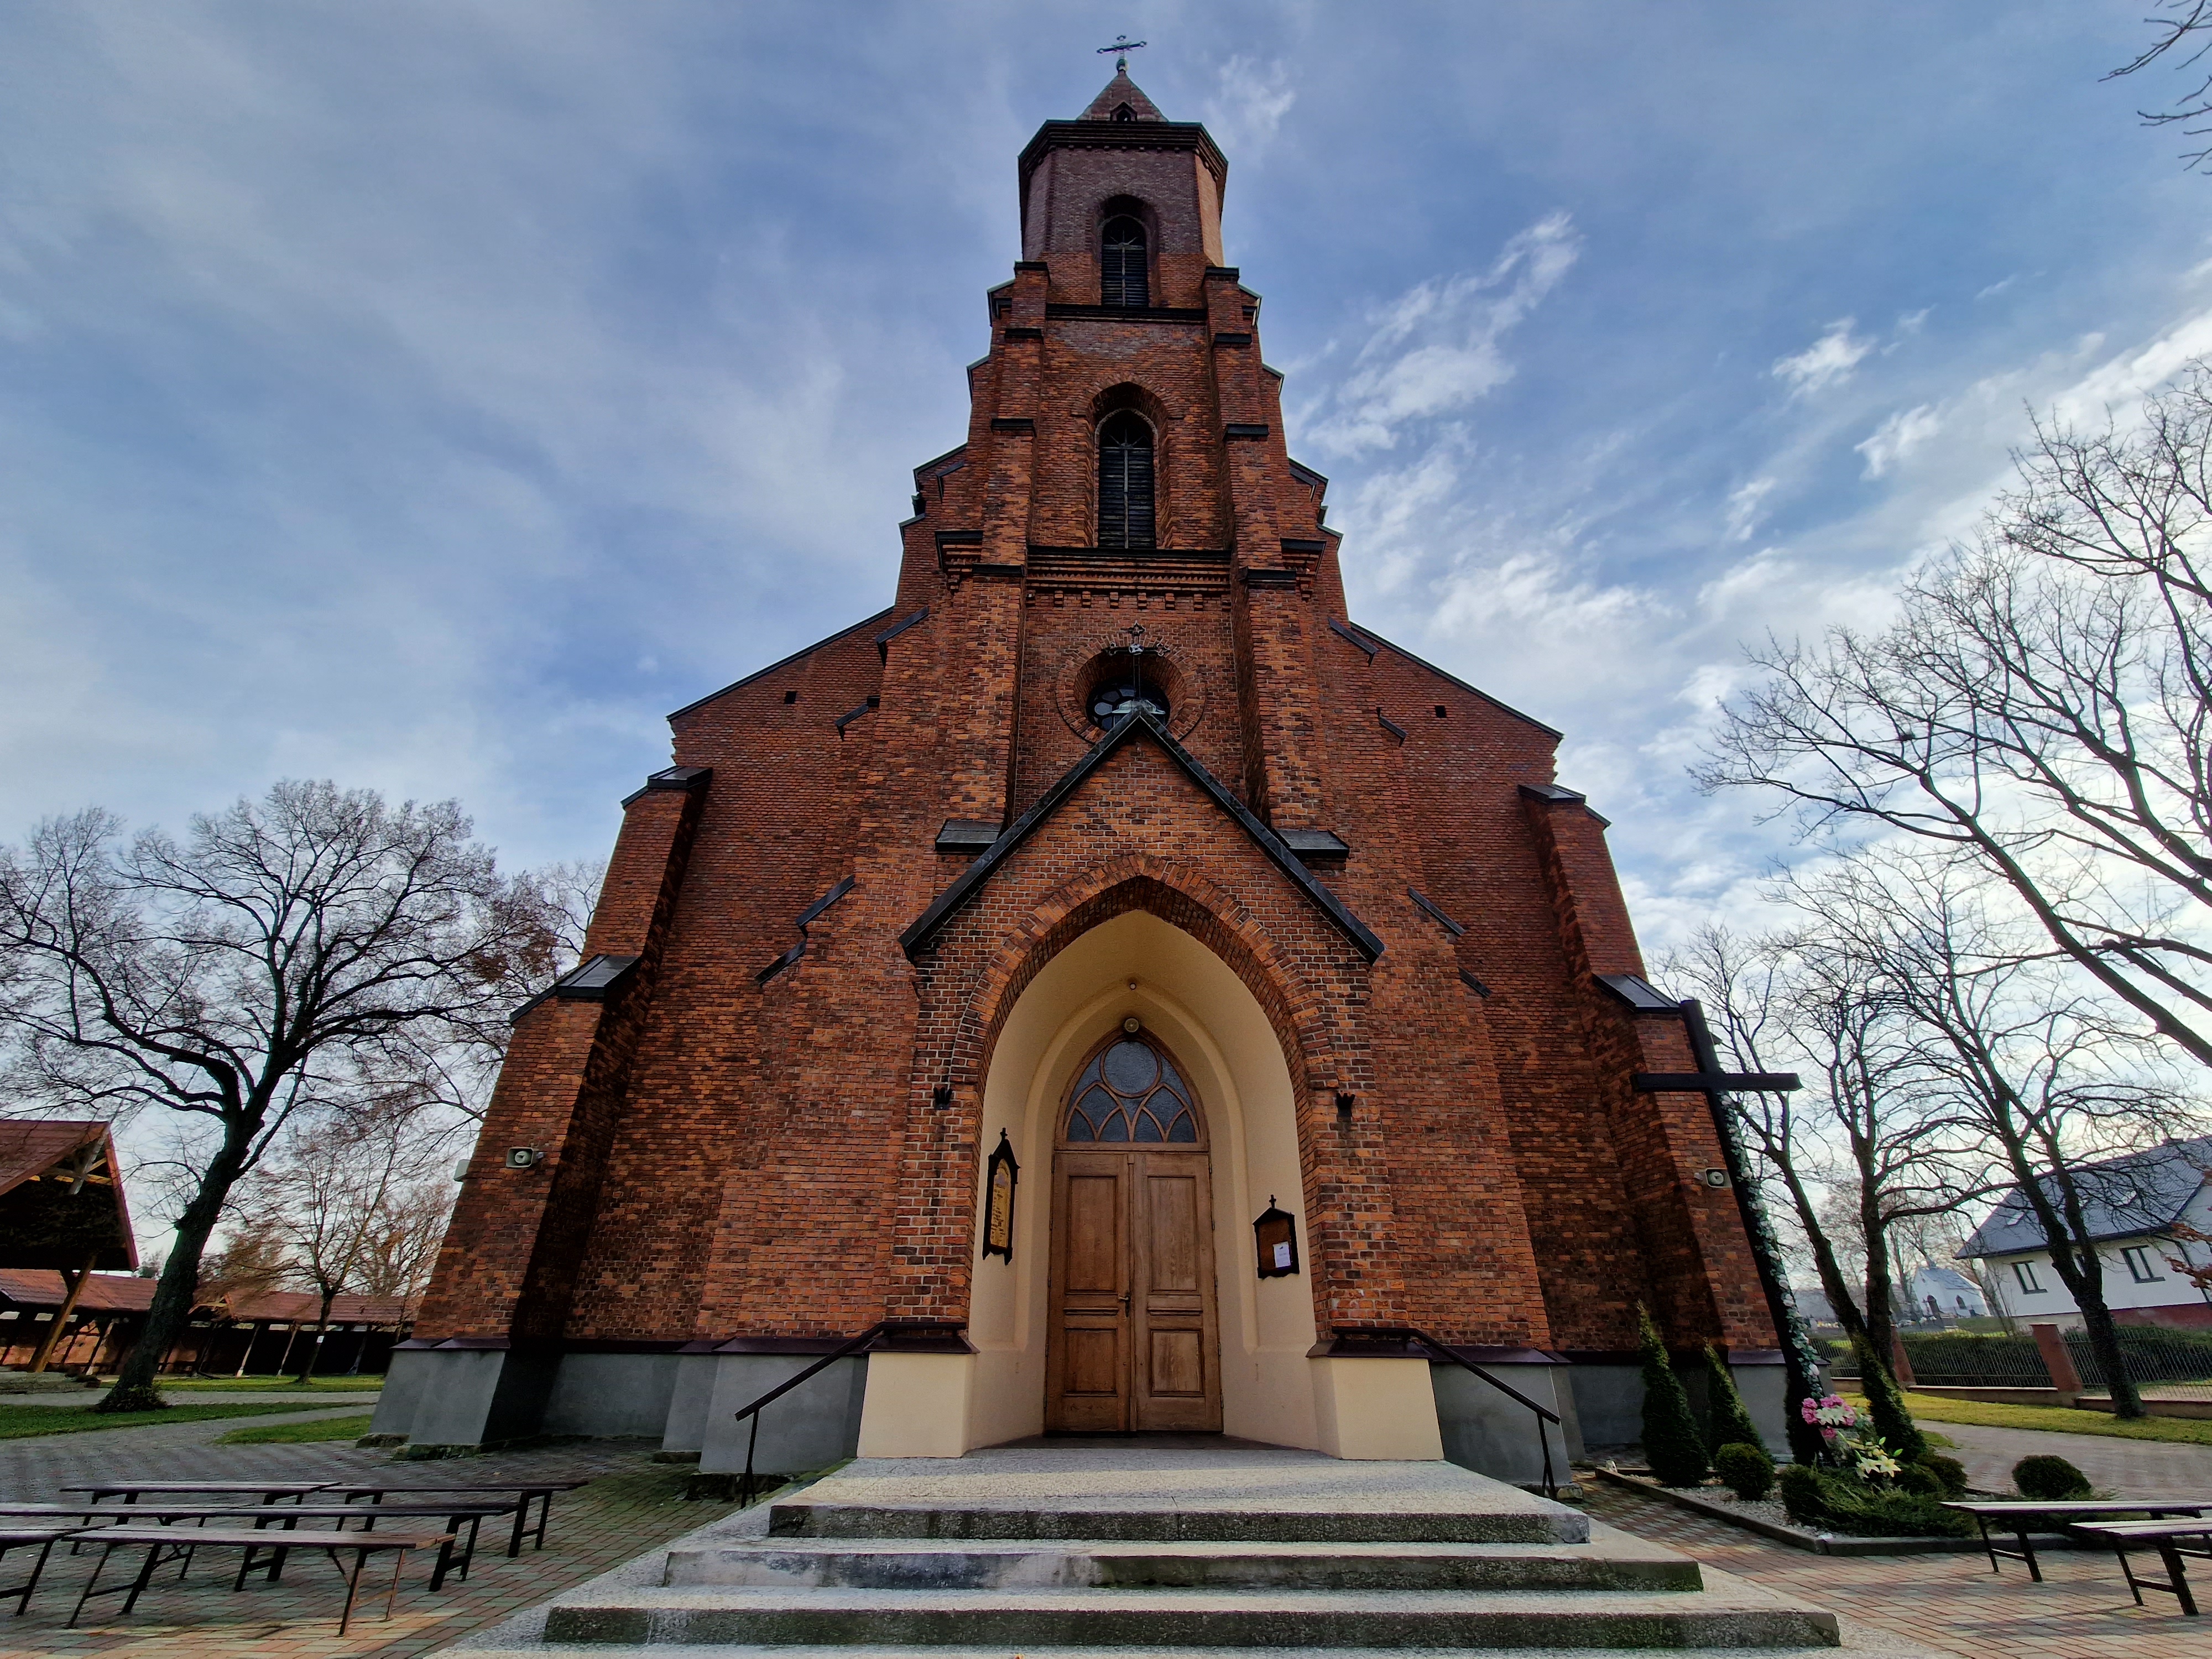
x=630, y=1505
x=2132, y=1468
x=1952, y=1603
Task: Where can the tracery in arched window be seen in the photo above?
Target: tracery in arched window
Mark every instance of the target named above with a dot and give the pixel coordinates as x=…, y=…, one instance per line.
x=1131, y=1091
x=1123, y=279
x=1125, y=482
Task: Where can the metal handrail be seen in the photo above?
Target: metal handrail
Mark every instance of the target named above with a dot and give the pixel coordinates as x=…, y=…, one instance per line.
x=843, y=1351
x=1544, y=1413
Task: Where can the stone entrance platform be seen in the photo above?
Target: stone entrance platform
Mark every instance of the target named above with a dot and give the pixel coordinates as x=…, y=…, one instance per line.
x=1053, y=1553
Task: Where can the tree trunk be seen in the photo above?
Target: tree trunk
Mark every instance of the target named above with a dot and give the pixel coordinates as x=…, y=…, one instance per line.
x=177, y=1289
x=322, y=1334
x=44, y=1356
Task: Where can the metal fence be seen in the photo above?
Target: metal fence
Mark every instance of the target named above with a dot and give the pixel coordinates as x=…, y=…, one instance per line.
x=2164, y=1364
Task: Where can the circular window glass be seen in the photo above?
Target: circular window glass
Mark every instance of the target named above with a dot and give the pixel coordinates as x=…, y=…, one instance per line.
x=1115, y=698
x=1131, y=1067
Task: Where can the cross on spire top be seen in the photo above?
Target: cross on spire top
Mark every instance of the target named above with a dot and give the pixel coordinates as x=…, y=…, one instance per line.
x=1123, y=46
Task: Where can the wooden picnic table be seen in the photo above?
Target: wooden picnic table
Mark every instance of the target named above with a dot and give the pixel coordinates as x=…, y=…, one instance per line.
x=528, y=1491
x=16, y=1538
x=167, y=1544
x=2166, y=1537
x=2014, y=1516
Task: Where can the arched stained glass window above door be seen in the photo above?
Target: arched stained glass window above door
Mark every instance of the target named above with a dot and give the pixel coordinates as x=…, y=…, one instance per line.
x=1130, y=1092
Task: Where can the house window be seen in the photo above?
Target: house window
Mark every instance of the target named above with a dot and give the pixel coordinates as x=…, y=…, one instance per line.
x=2025, y=1272
x=2139, y=1265
x=1125, y=482
x=1122, y=278
x=1131, y=1091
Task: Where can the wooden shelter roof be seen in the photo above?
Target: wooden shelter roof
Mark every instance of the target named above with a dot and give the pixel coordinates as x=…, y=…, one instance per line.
x=61, y=1197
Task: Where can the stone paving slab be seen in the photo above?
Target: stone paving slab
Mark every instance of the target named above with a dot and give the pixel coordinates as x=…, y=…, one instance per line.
x=631, y=1506
x=1945, y=1604
x=2132, y=1468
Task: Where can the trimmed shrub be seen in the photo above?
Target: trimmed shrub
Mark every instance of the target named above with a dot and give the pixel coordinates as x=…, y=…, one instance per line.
x=1803, y=1499
x=1672, y=1444
x=1746, y=1469
x=1920, y=1480
x=1950, y=1473
x=1727, y=1420
x=1873, y=1512
x=2049, y=1478
x=1893, y=1424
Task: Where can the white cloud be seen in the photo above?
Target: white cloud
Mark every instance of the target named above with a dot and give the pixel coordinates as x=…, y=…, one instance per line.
x=1995, y=289
x=1898, y=437
x=1436, y=349
x=1249, y=102
x=1746, y=508
x=1912, y=321
x=1827, y=361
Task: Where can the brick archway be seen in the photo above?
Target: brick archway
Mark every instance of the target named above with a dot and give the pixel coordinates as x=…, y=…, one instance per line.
x=1302, y=1020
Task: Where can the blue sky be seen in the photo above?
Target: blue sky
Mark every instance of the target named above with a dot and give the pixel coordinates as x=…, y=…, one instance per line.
x=434, y=395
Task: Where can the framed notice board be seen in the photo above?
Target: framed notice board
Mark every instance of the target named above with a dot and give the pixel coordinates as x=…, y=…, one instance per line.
x=1275, y=1235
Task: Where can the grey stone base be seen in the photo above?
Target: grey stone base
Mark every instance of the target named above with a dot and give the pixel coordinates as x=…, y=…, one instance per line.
x=445, y=1401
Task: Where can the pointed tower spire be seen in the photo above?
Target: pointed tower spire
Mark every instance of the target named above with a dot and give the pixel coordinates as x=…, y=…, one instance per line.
x=1122, y=100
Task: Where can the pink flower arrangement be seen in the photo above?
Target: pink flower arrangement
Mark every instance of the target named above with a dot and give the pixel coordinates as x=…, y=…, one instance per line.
x=1830, y=1416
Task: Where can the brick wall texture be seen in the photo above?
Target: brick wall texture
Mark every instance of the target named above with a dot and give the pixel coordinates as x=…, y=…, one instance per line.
x=729, y=1151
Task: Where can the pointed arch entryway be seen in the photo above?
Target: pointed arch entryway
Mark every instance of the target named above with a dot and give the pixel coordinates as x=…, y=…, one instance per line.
x=1204, y=1344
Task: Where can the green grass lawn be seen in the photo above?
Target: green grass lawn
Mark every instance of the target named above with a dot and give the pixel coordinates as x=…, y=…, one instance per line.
x=268, y=1385
x=1926, y=1408
x=19, y=1422
x=330, y=1428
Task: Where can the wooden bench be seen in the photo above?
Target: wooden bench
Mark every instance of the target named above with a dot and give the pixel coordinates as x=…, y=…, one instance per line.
x=2164, y=1537
x=269, y=1492
x=43, y=1539
x=461, y=1517
x=526, y=1493
x=2015, y=1517
x=166, y=1544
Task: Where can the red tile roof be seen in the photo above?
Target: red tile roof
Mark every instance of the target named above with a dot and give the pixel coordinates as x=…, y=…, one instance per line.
x=36, y=1287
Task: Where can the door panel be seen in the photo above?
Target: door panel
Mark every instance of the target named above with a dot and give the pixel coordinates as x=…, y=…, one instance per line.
x=1094, y=1234
x=1171, y=1230
x=1087, y=1383
x=1173, y=1316
x=1176, y=1369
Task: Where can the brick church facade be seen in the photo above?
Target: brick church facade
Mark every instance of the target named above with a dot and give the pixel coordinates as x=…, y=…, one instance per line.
x=1152, y=992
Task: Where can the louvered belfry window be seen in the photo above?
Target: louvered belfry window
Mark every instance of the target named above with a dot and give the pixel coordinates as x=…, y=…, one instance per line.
x=1122, y=280
x=1124, y=482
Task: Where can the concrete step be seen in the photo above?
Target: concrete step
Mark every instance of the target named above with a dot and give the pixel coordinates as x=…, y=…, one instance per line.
x=1620, y=1564
x=1741, y=1616
x=1274, y=1496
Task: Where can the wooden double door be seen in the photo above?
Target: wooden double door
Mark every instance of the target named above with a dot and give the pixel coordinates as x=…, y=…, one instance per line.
x=1132, y=1343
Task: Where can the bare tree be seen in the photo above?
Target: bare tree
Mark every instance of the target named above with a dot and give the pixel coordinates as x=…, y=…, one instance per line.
x=289, y=955
x=2039, y=707
x=338, y=1190
x=1855, y=1158
x=2049, y=1078
x=553, y=906
x=2185, y=34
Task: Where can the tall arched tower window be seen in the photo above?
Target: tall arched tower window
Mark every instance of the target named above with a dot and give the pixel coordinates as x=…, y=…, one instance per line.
x=1122, y=278
x=1125, y=482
